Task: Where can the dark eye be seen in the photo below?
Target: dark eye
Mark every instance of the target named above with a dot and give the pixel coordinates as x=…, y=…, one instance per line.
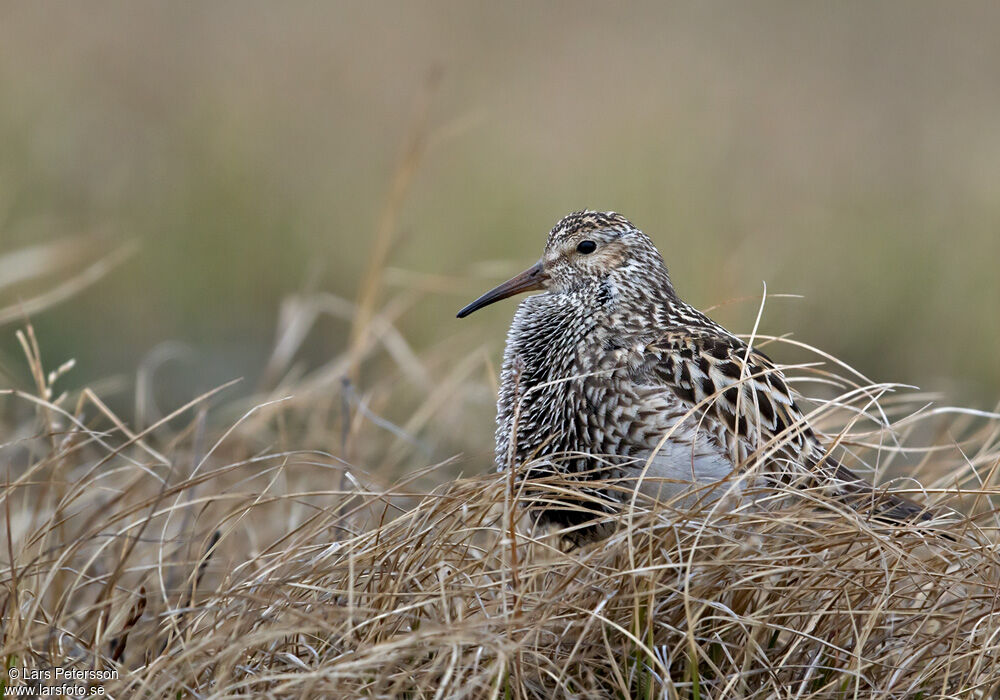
x=586, y=247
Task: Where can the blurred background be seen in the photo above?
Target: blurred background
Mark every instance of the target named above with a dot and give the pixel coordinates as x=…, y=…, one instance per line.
x=172, y=173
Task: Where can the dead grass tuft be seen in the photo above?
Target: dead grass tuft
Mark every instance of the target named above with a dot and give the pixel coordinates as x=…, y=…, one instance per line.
x=293, y=546
x=197, y=563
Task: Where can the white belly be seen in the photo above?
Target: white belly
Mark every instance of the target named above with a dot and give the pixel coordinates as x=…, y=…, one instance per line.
x=683, y=474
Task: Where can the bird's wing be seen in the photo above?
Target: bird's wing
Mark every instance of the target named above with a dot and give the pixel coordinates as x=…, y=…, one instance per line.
x=738, y=393
x=728, y=385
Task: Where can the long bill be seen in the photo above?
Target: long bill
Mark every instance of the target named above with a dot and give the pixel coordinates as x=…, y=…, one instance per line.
x=531, y=280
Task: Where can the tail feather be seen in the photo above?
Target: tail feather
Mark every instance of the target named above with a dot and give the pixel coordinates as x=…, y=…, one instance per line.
x=878, y=503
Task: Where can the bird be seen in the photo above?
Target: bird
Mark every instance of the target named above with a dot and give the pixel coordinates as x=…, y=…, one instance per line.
x=608, y=375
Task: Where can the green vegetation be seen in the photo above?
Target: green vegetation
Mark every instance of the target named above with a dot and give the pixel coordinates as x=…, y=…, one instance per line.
x=860, y=175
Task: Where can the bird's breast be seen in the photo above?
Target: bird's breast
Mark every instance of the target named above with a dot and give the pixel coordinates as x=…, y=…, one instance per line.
x=571, y=388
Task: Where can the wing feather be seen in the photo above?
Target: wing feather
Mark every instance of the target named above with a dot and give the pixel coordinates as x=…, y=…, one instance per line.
x=740, y=392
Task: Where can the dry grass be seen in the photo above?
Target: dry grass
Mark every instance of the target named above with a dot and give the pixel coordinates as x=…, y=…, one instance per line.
x=261, y=548
x=198, y=560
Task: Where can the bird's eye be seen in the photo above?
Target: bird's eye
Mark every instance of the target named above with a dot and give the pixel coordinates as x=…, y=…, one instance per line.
x=586, y=247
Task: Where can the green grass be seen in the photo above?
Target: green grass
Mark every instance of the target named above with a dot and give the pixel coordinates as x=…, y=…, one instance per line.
x=245, y=181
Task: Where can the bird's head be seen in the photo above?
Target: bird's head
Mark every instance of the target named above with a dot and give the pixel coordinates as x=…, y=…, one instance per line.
x=585, y=250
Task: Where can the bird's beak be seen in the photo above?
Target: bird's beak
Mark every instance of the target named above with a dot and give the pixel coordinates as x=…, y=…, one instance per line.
x=531, y=280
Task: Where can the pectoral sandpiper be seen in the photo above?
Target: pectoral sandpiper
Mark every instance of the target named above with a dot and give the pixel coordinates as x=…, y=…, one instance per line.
x=608, y=374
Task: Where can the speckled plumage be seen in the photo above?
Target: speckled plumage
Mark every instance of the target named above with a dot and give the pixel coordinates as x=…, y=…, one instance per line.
x=607, y=373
